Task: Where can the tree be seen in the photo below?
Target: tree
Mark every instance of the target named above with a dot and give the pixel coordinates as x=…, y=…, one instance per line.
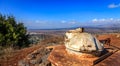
x=12, y=33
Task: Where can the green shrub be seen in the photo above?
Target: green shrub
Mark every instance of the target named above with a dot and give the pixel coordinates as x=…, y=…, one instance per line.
x=12, y=33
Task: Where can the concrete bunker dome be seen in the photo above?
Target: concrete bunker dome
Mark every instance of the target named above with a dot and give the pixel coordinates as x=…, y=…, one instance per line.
x=79, y=41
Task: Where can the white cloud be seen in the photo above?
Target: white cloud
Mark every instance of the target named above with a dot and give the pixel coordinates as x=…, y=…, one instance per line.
x=118, y=20
x=111, y=18
x=40, y=22
x=102, y=20
x=37, y=21
x=99, y=20
x=105, y=20
x=95, y=20
x=114, y=5
x=45, y=24
x=72, y=22
x=63, y=21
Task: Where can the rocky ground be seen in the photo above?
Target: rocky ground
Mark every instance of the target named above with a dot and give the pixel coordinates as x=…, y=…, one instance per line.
x=32, y=56
x=37, y=54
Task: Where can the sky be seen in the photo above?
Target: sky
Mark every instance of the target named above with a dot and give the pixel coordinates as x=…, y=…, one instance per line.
x=45, y=14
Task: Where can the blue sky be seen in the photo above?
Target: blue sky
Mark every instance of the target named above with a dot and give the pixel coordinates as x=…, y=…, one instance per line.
x=62, y=13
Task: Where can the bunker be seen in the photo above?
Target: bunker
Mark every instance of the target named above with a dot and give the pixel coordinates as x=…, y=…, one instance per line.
x=79, y=49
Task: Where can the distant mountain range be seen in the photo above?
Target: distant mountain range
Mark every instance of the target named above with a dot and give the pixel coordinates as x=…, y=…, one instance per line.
x=92, y=26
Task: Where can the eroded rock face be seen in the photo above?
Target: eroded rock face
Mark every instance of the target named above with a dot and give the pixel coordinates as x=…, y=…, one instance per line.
x=83, y=42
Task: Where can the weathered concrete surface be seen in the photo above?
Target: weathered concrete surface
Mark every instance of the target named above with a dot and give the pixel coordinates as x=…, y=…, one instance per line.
x=62, y=57
x=83, y=42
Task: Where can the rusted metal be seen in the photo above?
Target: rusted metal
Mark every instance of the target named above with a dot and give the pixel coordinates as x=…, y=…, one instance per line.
x=115, y=47
x=102, y=58
x=107, y=54
x=106, y=41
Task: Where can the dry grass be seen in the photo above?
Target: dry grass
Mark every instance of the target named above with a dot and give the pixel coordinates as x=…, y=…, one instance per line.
x=6, y=52
x=9, y=56
x=54, y=39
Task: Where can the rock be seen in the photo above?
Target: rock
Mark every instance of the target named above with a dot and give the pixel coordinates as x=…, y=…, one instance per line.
x=36, y=61
x=22, y=63
x=37, y=51
x=40, y=56
x=118, y=35
x=47, y=63
x=36, y=58
x=31, y=56
x=44, y=58
x=33, y=61
x=36, y=65
x=82, y=42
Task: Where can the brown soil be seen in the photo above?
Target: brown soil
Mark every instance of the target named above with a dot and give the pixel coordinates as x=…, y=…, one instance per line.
x=115, y=38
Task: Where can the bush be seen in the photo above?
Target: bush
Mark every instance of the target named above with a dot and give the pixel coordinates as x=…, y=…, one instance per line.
x=12, y=33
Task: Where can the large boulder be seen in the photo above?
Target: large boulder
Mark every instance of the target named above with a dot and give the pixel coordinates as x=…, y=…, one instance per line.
x=82, y=42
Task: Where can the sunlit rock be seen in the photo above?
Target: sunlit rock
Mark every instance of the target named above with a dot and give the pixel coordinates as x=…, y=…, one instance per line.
x=82, y=42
